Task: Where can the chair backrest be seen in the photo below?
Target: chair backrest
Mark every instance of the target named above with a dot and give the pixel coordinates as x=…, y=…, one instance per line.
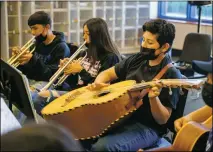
x=72, y=48
x=196, y=46
x=123, y=56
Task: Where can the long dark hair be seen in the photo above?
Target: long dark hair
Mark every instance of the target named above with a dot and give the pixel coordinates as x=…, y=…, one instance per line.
x=100, y=40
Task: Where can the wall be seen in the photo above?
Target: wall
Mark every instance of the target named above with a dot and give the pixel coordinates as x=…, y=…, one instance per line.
x=182, y=29
x=4, y=39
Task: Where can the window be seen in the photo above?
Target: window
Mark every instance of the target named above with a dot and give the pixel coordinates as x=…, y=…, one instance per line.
x=177, y=9
x=206, y=13
x=184, y=11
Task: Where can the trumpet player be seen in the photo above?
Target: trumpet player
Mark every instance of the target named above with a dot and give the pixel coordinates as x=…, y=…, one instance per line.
x=50, y=47
x=101, y=55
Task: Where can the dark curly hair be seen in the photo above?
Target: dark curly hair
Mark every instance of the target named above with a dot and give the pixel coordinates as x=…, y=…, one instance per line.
x=165, y=31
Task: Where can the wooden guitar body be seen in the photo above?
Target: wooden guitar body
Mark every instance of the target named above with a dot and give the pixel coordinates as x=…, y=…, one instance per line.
x=189, y=136
x=89, y=115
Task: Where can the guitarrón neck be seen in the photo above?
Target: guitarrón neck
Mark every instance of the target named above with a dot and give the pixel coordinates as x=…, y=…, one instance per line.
x=138, y=87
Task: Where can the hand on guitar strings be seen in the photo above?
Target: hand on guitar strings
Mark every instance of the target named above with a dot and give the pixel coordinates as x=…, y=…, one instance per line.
x=96, y=86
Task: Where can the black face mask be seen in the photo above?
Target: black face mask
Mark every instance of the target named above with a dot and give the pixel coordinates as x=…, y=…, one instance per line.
x=41, y=38
x=148, y=54
x=207, y=94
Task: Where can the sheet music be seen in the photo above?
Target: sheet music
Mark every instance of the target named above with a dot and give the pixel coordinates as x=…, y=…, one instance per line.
x=8, y=120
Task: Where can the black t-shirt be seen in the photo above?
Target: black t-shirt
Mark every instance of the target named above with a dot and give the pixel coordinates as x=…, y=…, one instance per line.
x=138, y=69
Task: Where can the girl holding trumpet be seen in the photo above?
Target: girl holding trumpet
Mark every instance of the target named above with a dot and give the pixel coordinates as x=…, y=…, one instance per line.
x=101, y=55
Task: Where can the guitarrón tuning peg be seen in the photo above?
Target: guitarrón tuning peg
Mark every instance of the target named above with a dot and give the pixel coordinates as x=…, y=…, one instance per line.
x=181, y=91
x=142, y=81
x=170, y=91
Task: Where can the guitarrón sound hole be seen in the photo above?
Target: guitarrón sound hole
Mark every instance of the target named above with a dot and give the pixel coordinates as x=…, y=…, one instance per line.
x=103, y=93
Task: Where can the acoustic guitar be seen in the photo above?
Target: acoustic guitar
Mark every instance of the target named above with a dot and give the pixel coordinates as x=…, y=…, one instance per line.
x=191, y=137
x=89, y=114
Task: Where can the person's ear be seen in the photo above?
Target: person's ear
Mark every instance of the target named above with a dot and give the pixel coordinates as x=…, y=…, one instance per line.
x=165, y=47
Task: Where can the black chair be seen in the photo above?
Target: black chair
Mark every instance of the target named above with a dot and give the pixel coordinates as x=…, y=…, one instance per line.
x=196, y=46
x=72, y=48
x=123, y=56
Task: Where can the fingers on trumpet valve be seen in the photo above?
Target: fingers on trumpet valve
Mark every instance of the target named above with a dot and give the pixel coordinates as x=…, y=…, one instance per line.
x=16, y=50
x=62, y=62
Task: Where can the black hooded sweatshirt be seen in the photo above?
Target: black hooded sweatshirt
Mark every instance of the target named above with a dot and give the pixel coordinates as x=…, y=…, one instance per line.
x=45, y=60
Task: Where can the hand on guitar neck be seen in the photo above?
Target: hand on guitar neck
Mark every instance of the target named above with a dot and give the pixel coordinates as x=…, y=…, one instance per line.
x=155, y=90
x=154, y=86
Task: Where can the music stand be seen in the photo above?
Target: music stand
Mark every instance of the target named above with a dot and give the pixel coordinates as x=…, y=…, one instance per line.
x=15, y=86
x=199, y=5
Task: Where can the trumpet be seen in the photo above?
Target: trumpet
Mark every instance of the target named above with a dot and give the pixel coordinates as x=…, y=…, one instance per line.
x=13, y=61
x=61, y=70
x=64, y=77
